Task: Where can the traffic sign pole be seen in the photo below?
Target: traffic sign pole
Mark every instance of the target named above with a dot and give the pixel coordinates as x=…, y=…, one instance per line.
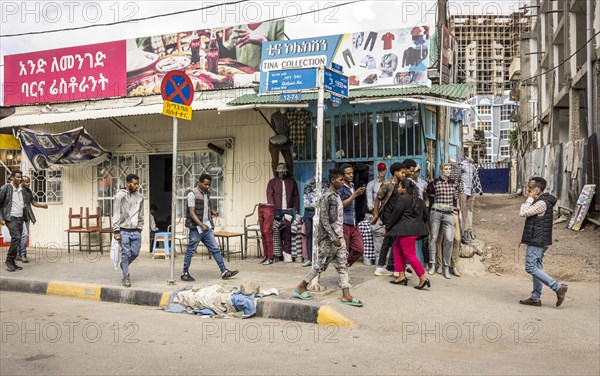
x=314, y=284
x=171, y=280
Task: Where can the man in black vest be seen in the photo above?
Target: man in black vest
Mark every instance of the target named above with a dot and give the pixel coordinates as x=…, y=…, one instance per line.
x=198, y=218
x=537, y=235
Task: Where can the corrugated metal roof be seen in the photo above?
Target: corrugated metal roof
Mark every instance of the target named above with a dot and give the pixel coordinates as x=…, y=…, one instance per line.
x=452, y=92
x=64, y=112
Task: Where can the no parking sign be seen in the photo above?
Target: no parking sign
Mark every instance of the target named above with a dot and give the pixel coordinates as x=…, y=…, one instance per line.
x=177, y=90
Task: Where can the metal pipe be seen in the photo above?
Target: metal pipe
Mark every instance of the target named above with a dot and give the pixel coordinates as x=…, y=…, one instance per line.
x=256, y=105
x=590, y=87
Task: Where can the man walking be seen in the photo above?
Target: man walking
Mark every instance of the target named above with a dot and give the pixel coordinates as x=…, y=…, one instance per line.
x=198, y=218
x=537, y=235
x=12, y=212
x=28, y=201
x=331, y=242
x=128, y=222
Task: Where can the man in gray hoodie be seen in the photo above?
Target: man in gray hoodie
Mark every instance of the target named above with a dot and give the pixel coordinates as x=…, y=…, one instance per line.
x=128, y=222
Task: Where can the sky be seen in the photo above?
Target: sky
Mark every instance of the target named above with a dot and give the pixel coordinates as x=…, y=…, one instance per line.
x=44, y=16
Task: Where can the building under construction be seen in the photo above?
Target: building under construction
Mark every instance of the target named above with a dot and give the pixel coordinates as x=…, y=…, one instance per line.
x=487, y=45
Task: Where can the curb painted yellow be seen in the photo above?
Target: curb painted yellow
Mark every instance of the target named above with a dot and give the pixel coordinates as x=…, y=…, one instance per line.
x=75, y=290
x=328, y=316
x=164, y=300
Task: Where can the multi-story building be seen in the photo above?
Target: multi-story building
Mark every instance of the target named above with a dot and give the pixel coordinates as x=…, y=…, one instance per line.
x=487, y=126
x=558, y=73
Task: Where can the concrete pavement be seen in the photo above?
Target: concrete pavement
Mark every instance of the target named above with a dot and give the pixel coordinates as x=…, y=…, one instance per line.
x=92, y=276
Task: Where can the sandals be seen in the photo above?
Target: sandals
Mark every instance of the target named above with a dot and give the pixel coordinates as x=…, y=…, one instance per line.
x=354, y=302
x=304, y=296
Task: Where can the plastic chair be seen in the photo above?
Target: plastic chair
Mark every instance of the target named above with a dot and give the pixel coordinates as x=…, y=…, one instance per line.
x=252, y=231
x=181, y=235
x=165, y=250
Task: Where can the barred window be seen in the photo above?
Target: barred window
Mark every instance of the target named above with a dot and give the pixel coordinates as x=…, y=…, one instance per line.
x=46, y=185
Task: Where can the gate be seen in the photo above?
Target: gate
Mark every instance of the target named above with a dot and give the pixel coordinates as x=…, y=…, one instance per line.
x=495, y=177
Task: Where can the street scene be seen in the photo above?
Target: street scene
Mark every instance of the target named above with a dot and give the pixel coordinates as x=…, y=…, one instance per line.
x=316, y=188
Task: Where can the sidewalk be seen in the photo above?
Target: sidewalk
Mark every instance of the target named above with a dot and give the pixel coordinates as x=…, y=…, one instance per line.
x=92, y=276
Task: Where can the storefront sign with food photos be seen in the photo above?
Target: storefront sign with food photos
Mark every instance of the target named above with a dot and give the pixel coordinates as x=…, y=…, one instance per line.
x=395, y=57
x=219, y=58
x=67, y=148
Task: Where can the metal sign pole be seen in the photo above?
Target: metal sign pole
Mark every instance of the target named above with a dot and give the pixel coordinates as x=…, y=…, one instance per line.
x=171, y=280
x=314, y=284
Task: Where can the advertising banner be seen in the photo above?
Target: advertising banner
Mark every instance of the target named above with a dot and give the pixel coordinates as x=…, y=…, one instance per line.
x=65, y=74
x=449, y=56
x=394, y=57
x=71, y=147
x=219, y=58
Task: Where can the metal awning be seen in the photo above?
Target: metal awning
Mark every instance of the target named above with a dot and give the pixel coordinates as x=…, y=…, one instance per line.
x=110, y=108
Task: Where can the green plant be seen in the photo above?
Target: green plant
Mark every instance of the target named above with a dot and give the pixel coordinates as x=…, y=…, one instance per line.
x=519, y=140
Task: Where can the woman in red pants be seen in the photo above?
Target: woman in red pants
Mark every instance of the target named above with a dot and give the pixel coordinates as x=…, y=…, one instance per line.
x=408, y=223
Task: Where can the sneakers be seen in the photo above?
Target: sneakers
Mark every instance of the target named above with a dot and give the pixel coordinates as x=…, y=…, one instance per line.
x=531, y=302
x=229, y=273
x=24, y=259
x=446, y=272
x=287, y=258
x=125, y=282
x=455, y=272
x=560, y=294
x=10, y=266
x=18, y=258
x=187, y=277
x=431, y=269
x=267, y=262
x=307, y=263
x=383, y=272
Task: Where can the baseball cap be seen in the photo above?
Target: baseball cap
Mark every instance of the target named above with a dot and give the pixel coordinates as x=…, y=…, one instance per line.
x=381, y=166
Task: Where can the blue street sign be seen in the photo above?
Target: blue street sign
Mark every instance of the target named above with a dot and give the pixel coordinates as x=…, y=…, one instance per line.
x=336, y=83
x=292, y=80
x=337, y=67
x=290, y=97
x=335, y=99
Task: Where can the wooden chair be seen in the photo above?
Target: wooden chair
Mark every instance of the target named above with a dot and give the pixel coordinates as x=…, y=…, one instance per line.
x=76, y=226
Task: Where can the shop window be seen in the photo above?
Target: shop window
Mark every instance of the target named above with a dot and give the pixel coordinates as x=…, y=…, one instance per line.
x=398, y=134
x=353, y=135
x=46, y=186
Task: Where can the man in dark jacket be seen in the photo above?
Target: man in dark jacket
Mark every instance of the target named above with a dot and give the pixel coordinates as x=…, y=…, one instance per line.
x=537, y=235
x=12, y=215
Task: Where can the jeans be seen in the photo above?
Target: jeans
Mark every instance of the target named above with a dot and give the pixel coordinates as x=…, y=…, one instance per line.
x=534, y=257
x=446, y=221
x=131, y=241
x=354, y=243
x=372, y=38
x=209, y=242
x=15, y=228
x=466, y=207
x=309, y=214
x=285, y=229
x=386, y=246
x=24, y=237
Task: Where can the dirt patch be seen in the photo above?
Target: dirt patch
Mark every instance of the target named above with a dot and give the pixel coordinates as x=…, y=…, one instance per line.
x=573, y=256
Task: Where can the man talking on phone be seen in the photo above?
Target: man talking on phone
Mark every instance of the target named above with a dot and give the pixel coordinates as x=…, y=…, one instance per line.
x=537, y=235
x=354, y=242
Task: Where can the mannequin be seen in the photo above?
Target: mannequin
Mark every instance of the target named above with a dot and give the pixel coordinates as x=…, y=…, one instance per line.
x=282, y=193
x=280, y=143
x=445, y=193
x=471, y=186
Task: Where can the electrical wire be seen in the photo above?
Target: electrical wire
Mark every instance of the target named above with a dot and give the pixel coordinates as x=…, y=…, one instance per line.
x=175, y=13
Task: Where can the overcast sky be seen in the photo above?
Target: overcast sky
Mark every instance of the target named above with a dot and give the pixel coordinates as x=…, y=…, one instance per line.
x=44, y=16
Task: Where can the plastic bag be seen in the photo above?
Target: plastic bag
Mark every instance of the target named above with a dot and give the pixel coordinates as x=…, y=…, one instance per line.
x=6, y=234
x=115, y=255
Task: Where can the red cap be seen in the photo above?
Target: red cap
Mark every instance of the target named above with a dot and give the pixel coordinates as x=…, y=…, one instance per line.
x=381, y=166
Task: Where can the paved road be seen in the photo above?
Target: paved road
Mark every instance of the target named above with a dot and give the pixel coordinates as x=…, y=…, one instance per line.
x=469, y=325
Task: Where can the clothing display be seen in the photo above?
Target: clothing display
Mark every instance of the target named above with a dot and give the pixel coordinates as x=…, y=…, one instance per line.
x=298, y=121
x=357, y=39
x=279, y=123
x=348, y=58
x=296, y=230
x=389, y=63
x=387, y=39
x=364, y=227
x=276, y=238
x=414, y=56
x=275, y=193
x=372, y=38
x=266, y=213
x=368, y=62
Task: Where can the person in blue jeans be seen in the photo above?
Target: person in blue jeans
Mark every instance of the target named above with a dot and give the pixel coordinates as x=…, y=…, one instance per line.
x=198, y=219
x=537, y=235
x=128, y=222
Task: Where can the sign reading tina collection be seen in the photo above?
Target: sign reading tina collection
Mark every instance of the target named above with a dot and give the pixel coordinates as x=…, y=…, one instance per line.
x=178, y=92
x=393, y=57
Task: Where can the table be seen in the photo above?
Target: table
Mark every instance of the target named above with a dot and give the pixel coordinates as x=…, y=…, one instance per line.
x=223, y=236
